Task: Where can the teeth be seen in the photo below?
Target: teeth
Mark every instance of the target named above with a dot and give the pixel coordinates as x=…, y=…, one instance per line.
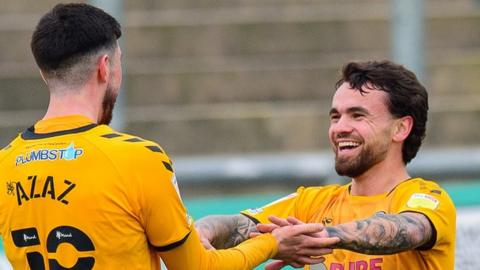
x=348, y=144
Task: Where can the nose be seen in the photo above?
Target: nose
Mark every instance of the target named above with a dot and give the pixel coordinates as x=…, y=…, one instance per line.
x=341, y=126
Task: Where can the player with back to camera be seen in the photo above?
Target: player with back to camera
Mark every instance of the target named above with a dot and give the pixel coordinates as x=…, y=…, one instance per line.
x=384, y=218
x=76, y=194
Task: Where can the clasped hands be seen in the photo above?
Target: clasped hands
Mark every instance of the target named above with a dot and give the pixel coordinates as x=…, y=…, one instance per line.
x=298, y=243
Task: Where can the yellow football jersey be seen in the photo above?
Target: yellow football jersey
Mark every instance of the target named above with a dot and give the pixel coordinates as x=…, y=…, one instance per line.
x=333, y=205
x=76, y=195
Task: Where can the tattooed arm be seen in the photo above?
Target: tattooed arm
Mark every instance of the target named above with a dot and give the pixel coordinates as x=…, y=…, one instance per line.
x=385, y=234
x=224, y=231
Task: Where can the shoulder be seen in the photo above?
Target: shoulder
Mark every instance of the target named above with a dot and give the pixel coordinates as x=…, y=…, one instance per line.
x=130, y=150
x=318, y=190
x=112, y=140
x=8, y=149
x=320, y=193
x=422, y=193
x=420, y=185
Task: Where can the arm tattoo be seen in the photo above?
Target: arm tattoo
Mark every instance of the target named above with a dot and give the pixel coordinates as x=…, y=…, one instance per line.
x=227, y=231
x=244, y=226
x=384, y=234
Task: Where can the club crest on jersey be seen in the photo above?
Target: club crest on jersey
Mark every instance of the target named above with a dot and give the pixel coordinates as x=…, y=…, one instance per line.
x=11, y=188
x=69, y=153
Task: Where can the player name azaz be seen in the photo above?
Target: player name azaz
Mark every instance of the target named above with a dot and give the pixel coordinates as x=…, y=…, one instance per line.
x=50, y=188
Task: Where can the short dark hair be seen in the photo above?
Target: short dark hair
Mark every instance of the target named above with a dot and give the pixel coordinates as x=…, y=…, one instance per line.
x=406, y=95
x=69, y=32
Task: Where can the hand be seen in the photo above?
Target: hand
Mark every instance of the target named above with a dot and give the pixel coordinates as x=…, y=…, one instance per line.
x=276, y=265
x=205, y=237
x=298, y=250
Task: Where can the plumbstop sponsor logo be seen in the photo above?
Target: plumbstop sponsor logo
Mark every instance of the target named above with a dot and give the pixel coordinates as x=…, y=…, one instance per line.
x=69, y=153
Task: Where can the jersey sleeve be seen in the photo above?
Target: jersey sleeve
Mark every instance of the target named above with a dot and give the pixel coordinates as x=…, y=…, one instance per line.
x=429, y=199
x=170, y=230
x=4, y=189
x=282, y=208
x=247, y=255
x=301, y=205
x=160, y=208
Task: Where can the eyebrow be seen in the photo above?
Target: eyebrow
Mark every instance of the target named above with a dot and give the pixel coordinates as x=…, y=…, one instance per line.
x=333, y=111
x=350, y=110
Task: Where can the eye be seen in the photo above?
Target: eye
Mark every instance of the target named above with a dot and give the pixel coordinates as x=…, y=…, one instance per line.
x=334, y=118
x=358, y=116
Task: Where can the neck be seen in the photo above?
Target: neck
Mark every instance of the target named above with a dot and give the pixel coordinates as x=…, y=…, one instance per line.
x=380, y=178
x=74, y=102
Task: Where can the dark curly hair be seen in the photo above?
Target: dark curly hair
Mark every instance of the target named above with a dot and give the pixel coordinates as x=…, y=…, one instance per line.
x=406, y=95
x=70, y=33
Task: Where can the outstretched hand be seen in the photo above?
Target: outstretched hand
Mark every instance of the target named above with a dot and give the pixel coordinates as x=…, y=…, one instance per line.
x=298, y=243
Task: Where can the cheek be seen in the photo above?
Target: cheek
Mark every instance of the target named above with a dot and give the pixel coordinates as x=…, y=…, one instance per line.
x=330, y=135
x=119, y=80
x=379, y=136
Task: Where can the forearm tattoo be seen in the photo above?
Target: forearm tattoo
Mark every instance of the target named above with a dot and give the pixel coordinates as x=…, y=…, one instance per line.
x=227, y=231
x=242, y=229
x=383, y=234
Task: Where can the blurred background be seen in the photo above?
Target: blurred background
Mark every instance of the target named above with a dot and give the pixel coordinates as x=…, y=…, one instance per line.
x=238, y=91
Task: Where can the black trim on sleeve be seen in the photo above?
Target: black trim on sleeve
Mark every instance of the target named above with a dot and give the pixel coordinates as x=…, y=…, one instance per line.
x=30, y=134
x=428, y=245
x=172, y=245
x=256, y=221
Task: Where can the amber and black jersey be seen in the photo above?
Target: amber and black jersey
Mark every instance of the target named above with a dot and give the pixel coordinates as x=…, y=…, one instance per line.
x=76, y=195
x=333, y=205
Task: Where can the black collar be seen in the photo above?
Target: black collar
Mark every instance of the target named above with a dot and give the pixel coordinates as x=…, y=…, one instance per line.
x=30, y=134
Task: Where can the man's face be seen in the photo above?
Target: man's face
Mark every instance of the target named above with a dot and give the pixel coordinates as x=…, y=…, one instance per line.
x=113, y=88
x=361, y=129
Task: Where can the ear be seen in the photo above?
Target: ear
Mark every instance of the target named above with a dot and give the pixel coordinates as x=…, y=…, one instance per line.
x=43, y=77
x=402, y=128
x=103, y=68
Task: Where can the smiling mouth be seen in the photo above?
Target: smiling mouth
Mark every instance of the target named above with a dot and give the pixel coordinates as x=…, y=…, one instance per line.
x=347, y=145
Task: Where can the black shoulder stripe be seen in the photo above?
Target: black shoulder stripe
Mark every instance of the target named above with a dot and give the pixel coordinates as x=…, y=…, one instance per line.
x=172, y=245
x=112, y=135
x=154, y=148
x=133, y=140
x=256, y=221
x=168, y=166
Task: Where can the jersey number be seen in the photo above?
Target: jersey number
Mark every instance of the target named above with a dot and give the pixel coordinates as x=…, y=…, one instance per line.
x=63, y=234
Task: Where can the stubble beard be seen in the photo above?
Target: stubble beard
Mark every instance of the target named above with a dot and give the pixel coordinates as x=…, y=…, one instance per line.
x=355, y=166
x=108, y=104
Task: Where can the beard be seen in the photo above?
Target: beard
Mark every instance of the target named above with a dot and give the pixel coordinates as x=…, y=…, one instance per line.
x=355, y=166
x=108, y=104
